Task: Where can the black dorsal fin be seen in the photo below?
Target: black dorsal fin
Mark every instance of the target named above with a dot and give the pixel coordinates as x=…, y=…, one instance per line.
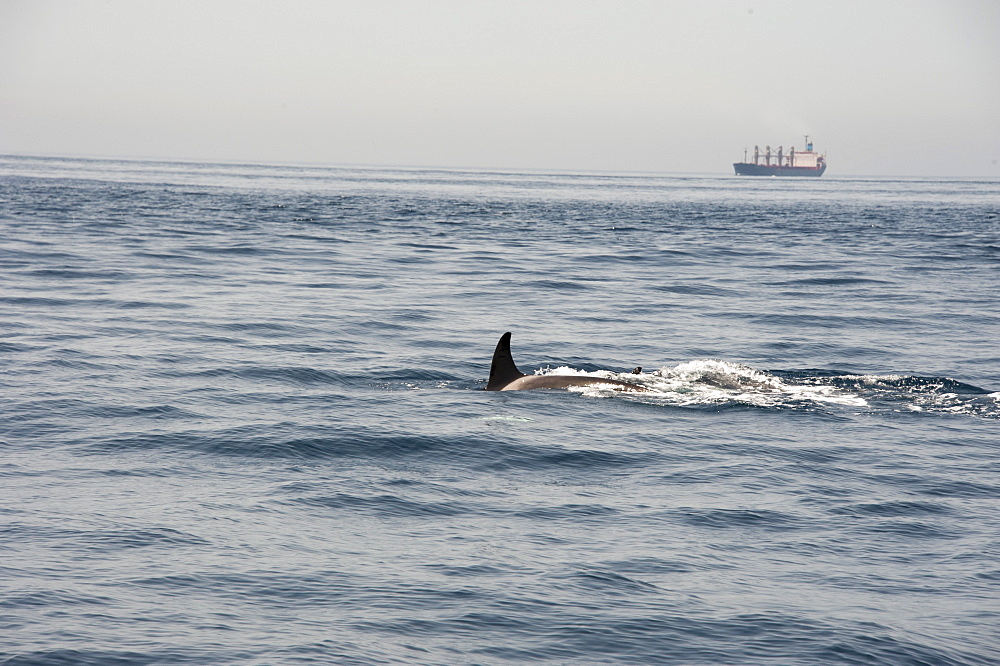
x=502, y=370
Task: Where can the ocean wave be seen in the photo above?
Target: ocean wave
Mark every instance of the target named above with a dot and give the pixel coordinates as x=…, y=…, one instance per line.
x=107, y=540
x=390, y=506
x=380, y=447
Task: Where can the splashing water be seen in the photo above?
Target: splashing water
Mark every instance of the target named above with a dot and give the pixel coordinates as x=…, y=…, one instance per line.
x=714, y=382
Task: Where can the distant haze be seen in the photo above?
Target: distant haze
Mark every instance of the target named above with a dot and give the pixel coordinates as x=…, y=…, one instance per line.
x=884, y=88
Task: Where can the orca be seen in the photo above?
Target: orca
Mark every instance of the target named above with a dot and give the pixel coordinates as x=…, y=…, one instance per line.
x=504, y=375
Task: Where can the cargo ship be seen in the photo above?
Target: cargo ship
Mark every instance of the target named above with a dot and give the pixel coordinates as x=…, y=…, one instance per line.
x=794, y=163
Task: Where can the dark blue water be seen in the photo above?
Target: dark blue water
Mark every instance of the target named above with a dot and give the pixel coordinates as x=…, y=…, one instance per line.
x=242, y=420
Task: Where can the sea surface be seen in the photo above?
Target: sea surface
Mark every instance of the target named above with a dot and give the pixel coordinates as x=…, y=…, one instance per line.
x=243, y=420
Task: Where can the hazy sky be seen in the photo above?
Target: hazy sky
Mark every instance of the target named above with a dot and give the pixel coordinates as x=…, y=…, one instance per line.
x=885, y=87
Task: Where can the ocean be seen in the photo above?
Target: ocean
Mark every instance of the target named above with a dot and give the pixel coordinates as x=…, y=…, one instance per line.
x=243, y=419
